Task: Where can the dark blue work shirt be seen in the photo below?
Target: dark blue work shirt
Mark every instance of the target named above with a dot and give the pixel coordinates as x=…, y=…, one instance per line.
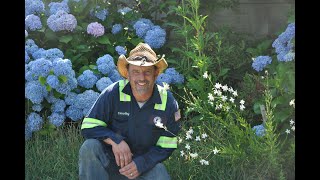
x=125, y=120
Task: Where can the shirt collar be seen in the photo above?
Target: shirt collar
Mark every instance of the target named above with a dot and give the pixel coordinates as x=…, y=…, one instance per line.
x=155, y=97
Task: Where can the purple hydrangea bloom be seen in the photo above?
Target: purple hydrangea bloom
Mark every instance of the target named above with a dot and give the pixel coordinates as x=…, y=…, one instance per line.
x=155, y=37
x=142, y=26
x=34, y=7
x=62, y=21
x=96, y=29
x=116, y=28
x=32, y=22
x=103, y=83
x=105, y=64
x=34, y=122
x=259, y=130
x=87, y=79
x=261, y=62
x=121, y=50
x=74, y=113
x=54, y=7
x=57, y=119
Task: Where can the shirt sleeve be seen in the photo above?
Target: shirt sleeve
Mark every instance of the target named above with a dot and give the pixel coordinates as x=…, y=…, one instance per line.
x=166, y=144
x=95, y=124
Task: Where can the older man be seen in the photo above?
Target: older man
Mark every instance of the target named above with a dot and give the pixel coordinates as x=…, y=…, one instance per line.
x=123, y=136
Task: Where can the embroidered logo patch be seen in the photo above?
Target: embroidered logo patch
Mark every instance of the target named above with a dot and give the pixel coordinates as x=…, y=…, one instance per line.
x=123, y=113
x=177, y=115
x=156, y=119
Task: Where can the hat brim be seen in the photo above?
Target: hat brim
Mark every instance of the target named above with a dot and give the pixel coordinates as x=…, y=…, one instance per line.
x=123, y=62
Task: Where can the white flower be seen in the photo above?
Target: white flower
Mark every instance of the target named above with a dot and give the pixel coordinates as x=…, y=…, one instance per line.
x=287, y=131
x=165, y=86
x=210, y=96
x=204, y=162
x=231, y=100
x=179, y=140
x=242, y=101
x=225, y=88
x=292, y=103
x=215, y=151
x=187, y=146
x=194, y=155
x=159, y=124
x=224, y=98
x=198, y=138
x=293, y=128
x=235, y=93
x=242, y=107
x=188, y=136
x=205, y=75
x=217, y=85
x=291, y=122
x=190, y=131
x=181, y=153
x=204, y=135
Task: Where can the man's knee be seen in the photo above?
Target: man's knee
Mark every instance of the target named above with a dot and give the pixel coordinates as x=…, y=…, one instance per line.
x=159, y=172
x=90, y=147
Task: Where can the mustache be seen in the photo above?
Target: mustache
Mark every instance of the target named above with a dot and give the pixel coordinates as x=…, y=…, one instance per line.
x=145, y=81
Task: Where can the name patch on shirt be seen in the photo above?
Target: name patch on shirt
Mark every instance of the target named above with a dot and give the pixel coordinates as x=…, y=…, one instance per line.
x=177, y=115
x=123, y=114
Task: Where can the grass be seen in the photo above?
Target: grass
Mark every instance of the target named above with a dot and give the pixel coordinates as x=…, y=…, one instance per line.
x=53, y=156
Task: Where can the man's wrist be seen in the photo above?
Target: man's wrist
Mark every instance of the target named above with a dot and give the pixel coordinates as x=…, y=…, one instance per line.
x=109, y=141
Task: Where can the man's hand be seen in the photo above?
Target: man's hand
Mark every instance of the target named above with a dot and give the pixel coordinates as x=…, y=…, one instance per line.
x=130, y=170
x=121, y=151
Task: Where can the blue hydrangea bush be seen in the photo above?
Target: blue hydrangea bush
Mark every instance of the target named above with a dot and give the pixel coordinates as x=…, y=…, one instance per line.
x=71, y=49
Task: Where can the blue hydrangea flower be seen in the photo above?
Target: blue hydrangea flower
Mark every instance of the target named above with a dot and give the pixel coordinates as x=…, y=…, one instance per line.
x=58, y=106
x=121, y=50
x=115, y=76
x=53, y=81
x=35, y=92
x=50, y=98
x=116, y=28
x=103, y=83
x=142, y=26
x=32, y=22
x=38, y=53
x=52, y=54
x=34, y=122
x=40, y=67
x=70, y=98
x=30, y=46
x=54, y=7
x=74, y=113
x=37, y=107
x=259, y=130
x=155, y=37
x=99, y=13
x=62, y=21
x=260, y=62
x=105, y=64
x=65, y=88
x=62, y=67
x=283, y=45
x=87, y=79
x=57, y=119
x=124, y=10
x=86, y=99
x=26, y=57
x=34, y=7
x=96, y=29
x=163, y=78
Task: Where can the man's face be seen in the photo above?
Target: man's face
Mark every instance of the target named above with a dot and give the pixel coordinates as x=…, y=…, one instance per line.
x=142, y=78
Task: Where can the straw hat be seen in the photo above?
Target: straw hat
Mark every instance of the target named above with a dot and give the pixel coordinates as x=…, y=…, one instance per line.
x=141, y=55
